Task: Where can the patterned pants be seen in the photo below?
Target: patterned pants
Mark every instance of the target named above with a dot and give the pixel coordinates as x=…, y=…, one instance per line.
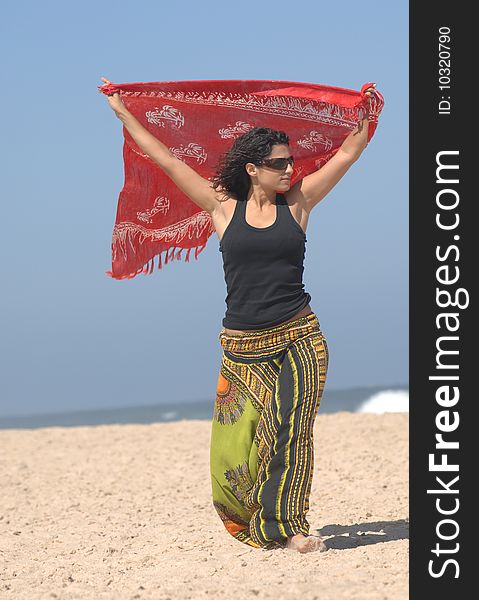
x=261, y=454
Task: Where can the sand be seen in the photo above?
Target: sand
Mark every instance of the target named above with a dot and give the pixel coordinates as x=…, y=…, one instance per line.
x=125, y=512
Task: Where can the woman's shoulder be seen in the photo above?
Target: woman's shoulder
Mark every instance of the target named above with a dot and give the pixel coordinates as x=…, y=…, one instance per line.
x=294, y=195
x=223, y=214
x=296, y=204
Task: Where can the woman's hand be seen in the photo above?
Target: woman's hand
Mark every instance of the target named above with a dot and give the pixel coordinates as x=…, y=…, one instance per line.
x=370, y=90
x=114, y=100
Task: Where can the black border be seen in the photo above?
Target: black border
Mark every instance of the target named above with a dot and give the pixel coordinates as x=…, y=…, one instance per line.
x=430, y=133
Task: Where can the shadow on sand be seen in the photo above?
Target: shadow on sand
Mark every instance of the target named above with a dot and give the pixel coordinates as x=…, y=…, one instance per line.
x=340, y=537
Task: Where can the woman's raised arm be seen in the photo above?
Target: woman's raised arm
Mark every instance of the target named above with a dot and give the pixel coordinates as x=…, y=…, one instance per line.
x=195, y=186
x=315, y=186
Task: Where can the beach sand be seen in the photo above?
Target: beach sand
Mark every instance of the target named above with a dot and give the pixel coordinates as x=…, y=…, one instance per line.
x=125, y=512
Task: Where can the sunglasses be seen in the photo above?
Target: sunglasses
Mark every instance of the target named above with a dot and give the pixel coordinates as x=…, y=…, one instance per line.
x=279, y=164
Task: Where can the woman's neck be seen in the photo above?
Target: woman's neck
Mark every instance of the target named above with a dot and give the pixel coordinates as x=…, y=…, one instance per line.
x=260, y=198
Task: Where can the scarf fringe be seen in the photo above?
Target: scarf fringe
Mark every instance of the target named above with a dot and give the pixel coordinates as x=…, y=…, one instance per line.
x=170, y=254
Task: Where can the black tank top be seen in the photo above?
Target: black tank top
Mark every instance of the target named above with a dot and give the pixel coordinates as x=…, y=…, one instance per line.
x=263, y=269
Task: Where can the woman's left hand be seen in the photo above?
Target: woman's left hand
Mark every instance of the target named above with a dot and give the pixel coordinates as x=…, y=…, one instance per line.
x=367, y=92
x=370, y=90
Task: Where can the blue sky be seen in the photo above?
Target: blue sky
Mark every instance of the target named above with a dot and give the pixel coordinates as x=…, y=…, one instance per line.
x=73, y=338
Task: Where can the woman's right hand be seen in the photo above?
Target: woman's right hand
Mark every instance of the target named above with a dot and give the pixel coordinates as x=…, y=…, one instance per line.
x=114, y=100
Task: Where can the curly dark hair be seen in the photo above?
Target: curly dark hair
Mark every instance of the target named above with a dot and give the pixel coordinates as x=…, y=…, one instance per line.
x=252, y=146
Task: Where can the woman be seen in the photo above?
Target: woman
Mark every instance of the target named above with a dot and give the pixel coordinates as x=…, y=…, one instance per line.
x=275, y=356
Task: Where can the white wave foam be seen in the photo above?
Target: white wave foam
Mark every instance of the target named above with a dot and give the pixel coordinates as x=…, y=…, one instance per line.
x=169, y=415
x=386, y=401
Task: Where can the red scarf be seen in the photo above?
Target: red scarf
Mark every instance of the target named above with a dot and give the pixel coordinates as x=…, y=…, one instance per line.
x=198, y=121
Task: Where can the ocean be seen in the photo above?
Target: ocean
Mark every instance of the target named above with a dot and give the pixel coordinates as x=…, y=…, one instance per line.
x=373, y=399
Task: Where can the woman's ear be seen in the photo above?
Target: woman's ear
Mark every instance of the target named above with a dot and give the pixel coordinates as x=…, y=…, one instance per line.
x=251, y=169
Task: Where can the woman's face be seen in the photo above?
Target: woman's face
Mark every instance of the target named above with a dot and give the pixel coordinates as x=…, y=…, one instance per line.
x=268, y=177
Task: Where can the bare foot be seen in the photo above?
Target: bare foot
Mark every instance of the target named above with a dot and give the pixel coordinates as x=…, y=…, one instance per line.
x=306, y=543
